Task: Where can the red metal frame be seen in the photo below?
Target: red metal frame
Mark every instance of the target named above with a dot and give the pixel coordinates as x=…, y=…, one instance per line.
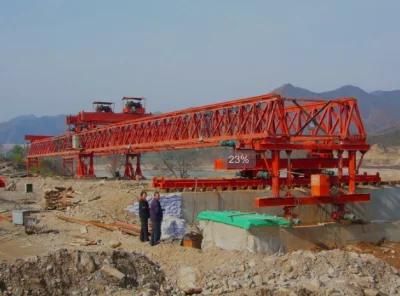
x=247, y=119
x=262, y=123
x=310, y=200
x=2, y=182
x=241, y=183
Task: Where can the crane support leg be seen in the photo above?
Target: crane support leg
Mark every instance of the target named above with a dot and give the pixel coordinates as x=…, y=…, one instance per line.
x=275, y=154
x=129, y=172
x=138, y=171
x=352, y=172
x=85, y=167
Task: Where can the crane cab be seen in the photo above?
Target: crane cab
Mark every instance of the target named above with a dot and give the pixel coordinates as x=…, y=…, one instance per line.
x=133, y=105
x=106, y=107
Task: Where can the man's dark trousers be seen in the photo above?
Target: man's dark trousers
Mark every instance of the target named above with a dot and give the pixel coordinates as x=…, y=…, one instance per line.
x=156, y=232
x=144, y=230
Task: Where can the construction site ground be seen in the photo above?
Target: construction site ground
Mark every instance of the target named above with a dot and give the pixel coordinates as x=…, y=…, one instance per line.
x=106, y=201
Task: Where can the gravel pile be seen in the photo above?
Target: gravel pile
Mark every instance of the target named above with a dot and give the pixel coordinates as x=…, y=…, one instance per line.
x=333, y=272
x=67, y=272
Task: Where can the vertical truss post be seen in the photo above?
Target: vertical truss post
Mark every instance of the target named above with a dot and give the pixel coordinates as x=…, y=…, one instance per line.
x=84, y=170
x=128, y=173
x=289, y=170
x=81, y=167
x=138, y=171
x=340, y=166
x=275, y=154
x=91, y=165
x=352, y=172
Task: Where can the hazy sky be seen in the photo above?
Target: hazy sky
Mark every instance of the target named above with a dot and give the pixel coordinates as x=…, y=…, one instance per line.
x=56, y=56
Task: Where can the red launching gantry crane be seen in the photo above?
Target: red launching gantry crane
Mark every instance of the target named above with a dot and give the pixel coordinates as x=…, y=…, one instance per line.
x=266, y=133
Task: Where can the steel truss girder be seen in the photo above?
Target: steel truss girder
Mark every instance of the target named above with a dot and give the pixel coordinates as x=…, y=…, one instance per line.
x=264, y=122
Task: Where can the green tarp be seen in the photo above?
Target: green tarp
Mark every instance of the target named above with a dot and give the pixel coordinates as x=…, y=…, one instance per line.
x=243, y=220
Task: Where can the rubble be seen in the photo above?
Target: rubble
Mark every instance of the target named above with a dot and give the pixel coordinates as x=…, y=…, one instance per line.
x=114, y=244
x=66, y=272
x=215, y=271
x=334, y=272
x=189, y=280
x=7, y=168
x=12, y=186
x=59, y=198
x=82, y=241
x=38, y=228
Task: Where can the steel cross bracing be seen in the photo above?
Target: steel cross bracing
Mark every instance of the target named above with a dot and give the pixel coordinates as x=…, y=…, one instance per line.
x=266, y=120
x=246, y=119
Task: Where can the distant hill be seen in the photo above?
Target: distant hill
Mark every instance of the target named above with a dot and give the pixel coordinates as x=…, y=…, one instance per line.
x=380, y=109
x=14, y=130
x=390, y=138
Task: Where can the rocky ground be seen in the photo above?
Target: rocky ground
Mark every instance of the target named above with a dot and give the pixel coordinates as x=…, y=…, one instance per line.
x=65, y=272
x=334, y=272
x=174, y=268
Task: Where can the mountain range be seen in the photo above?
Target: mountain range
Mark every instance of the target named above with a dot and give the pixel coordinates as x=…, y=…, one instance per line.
x=14, y=130
x=379, y=110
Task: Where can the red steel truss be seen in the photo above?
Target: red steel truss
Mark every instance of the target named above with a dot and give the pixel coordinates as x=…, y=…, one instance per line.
x=265, y=121
x=246, y=119
x=325, y=129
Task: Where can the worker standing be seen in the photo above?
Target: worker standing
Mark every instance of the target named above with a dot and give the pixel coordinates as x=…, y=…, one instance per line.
x=156, y=216
x=144, y=215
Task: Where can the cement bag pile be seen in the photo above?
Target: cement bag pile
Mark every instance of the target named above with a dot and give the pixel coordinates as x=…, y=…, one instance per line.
x=171, y=204
x=173, y=226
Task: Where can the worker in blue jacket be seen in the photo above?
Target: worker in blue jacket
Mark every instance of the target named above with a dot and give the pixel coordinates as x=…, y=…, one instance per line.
x=144, y=215
x=156, y=216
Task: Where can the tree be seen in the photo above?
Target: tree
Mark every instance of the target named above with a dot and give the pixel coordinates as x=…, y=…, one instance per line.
x=17, y=155
x=179, y=163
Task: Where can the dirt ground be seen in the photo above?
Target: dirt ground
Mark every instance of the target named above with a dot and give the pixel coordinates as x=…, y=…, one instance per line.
x=106, y=201
x=115, y=197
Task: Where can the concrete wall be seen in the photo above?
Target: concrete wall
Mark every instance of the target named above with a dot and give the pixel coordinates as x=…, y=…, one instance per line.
x=273, y=240
x=384, y=205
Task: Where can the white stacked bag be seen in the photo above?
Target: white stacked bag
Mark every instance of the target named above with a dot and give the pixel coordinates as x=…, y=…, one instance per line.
x=172, y=226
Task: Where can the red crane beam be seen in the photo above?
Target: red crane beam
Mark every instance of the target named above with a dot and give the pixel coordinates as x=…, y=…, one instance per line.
x=240, y=183
x=246, y=119
x=263, y=122
x=311, y=200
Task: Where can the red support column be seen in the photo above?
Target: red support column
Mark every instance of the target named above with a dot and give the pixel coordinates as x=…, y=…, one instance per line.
x=340, y=167
x=128, y=173
x=138, y=171
x=80, y=167
x=91, y=166
x=275, y=155
x=84, y=170
x=352, y=172
x=289, y=169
